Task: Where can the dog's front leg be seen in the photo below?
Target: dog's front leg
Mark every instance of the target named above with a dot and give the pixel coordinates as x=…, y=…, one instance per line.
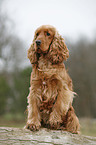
x=55, y=117
x=34, y=119
x=60, y=107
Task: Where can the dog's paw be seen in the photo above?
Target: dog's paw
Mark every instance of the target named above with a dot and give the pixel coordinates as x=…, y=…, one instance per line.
x=33, y=126
x=54, y=124
x=55, y=121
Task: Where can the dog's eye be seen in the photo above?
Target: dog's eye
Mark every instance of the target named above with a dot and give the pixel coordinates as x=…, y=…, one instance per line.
x=37, y=34
x=48, y=34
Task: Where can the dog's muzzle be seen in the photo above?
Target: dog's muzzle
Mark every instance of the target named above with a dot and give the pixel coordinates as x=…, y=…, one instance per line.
x=38, y=42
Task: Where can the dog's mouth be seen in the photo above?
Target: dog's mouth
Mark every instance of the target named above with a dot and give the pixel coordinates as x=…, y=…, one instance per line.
x=39, y=50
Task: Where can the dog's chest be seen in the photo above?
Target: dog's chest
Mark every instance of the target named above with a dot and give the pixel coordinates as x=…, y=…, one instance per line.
x=44, y=90
x=48, y=95
x=48, y=89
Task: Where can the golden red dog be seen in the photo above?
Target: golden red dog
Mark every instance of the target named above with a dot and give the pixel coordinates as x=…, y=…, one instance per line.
x=51, y=93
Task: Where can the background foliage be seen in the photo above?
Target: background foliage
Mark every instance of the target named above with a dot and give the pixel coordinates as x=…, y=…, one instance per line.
x=15, y=78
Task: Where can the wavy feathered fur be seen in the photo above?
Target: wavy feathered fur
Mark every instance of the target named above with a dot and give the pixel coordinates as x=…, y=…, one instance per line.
x=51, y=92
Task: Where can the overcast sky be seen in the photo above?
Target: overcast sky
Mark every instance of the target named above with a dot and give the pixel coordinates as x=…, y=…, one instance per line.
x=72, y=18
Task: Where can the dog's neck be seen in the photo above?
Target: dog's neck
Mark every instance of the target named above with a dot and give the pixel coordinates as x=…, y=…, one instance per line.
x=44, y=63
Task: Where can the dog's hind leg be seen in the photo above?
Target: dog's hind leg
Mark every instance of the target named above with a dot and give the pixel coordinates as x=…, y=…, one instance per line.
x=72, y=122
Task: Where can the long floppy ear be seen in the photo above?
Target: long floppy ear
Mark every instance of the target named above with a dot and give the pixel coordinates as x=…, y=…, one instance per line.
x=32, y=53
x=58, y=50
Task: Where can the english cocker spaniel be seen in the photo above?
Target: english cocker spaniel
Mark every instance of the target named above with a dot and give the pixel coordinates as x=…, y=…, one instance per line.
x=51, y=93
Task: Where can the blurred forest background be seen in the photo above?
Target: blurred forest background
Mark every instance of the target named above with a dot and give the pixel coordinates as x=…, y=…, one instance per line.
x=14, y=79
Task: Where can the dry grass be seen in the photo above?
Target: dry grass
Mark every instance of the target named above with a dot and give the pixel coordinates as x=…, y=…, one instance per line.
x=88, y=126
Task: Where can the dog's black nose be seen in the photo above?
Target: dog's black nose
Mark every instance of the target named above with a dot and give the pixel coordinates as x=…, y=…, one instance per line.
x=38, y=42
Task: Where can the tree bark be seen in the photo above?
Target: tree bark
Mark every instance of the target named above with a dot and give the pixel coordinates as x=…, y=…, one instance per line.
x=17, y=136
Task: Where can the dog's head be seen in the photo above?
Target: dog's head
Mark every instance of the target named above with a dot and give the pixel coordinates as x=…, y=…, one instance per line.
x=48, y=41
